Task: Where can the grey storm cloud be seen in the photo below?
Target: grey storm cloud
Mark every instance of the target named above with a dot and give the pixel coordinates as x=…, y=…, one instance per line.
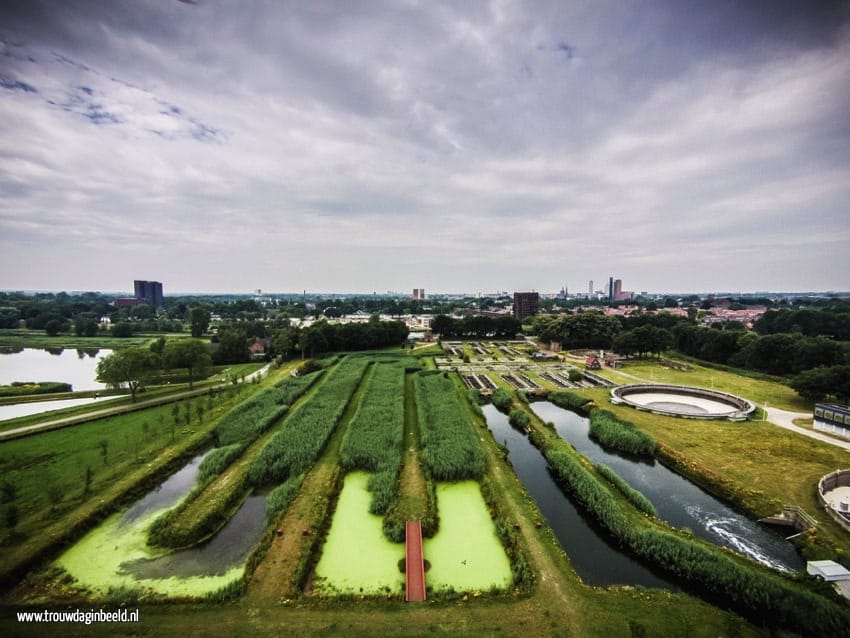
x=678, y=145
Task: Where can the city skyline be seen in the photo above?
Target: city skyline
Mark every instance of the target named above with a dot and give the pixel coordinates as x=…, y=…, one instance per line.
x=679, y=146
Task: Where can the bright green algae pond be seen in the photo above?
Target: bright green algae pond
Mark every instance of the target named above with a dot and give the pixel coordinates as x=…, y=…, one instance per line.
x=465, y=555
x=357, y=557
x=115, y=554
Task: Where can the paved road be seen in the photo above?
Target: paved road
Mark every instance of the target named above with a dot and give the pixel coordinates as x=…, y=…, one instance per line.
x=120, y=409
x=785, y=419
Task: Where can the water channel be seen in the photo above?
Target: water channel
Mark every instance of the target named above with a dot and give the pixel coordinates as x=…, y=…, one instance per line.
x=677, y=500
x=115, y=554
x=595, y=558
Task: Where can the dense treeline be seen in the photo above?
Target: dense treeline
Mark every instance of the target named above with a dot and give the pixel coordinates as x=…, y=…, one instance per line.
x=476, y=327
x=832, y=321
x=323, y=337
x=305, y=432
x=777, y=354
x=450, y=447
x=373, y=439
x=581, y=330
x=765, y=597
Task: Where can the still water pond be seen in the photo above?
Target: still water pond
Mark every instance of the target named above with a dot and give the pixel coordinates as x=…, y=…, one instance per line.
x=75, y=366
x=115, y=554
x=465, y=554
x=357, y=557
x=677, y=500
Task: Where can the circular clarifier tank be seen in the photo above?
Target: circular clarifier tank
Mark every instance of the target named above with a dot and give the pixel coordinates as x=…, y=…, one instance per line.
x=683, y=401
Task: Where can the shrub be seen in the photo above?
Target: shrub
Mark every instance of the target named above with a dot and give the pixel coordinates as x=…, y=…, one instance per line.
x=611, y=432
x=502, y=400
x=568, y=400
x=519, y=419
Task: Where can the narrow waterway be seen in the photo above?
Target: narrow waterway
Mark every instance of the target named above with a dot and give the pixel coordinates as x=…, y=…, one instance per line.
x=593, y=555
x=116, y=553
x=677, y=500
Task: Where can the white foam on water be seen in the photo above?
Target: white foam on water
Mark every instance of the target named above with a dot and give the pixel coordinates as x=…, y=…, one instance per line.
x=729, y=531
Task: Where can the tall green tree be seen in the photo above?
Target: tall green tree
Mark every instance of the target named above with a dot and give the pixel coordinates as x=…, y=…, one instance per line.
x=199, y=320
x=131, y=367
x=192, y=354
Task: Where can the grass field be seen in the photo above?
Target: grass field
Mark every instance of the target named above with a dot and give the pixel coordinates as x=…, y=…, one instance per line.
x=759, y=391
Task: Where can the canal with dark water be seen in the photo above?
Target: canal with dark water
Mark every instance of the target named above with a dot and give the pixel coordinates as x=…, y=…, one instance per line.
x=594, y=555
x=677, y=500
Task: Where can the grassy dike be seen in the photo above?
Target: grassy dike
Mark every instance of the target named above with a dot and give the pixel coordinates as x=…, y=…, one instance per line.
x=765, y=597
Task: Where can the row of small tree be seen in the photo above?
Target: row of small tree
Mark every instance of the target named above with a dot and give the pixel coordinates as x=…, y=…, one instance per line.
x=134, y=367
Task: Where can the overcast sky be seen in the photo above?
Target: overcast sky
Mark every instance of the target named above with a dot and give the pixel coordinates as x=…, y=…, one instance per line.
x=457, y=146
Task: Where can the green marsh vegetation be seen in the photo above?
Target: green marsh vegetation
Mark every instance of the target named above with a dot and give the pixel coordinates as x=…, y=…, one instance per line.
x=297, y=444
x=373, y=438
x=64, y=479
x=450, y=448
x=222, y=481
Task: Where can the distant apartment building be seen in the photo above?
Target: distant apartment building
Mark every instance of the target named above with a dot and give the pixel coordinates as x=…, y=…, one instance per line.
x=589, y=288
x=149, y=292
x=525, y=304
x=418, y=294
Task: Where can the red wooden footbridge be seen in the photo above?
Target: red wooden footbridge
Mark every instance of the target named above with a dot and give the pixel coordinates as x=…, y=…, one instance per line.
x=414, y=563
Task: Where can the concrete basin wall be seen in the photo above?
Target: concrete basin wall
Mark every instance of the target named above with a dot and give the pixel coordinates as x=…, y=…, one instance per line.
x=707, y=404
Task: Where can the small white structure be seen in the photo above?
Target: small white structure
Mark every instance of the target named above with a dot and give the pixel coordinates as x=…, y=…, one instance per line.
x=831, y=572
x=828, y=570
